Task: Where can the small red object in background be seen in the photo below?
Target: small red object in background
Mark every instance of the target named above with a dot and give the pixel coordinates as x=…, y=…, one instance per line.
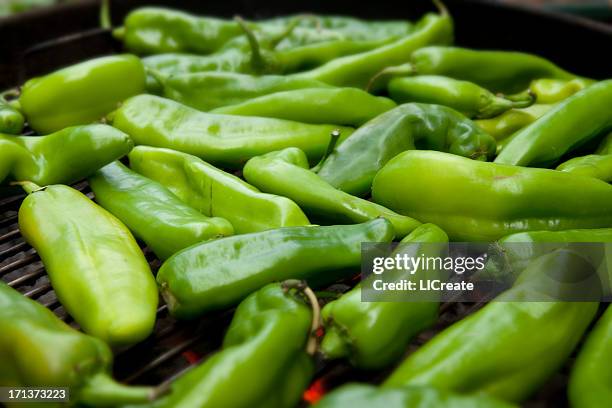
x=191, y=356
x=315, y=392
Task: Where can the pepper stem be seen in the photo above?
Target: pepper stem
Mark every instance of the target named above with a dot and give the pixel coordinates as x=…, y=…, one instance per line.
x=302, y=286
x=333, y=141
x=105, y=18
x=28, y=186
x=404, y=69
x=442, y=9
x=257, y=60
x=102, y=390
x=287, y=32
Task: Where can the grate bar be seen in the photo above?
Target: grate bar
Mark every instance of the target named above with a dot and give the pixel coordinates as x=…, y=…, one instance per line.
x=21, y=262
x=9, y=235
x=20, y=246
x=42, y=288
x=24, y=278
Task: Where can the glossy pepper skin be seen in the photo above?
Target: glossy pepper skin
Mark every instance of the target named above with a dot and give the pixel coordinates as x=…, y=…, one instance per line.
x=505, y=125
x=209, y=90
x=267, y=336
x=478, y=201
x=548, y=91
x=352, y=165
x=466, y=97
x=81, y=93
x=97, y=270
x=218, y=274
x=65, y=156
x=368, y=396
x=590, y=384
x=569, y=124
x=64, y=357
x=356, y=70
x=152, y=212
x=11, y=119
x=457, y=360
x=286, y=173
x=373, y=335
x=592, y=165
x=214, y=192
x=219, y=139
x=341, y=106
x=498, y=71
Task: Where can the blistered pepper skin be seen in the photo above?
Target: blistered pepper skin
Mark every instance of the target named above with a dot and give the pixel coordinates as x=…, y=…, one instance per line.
x=152, y=212
x=479, y=201
x=97, y=269
x=218, y=274
x=81, y=94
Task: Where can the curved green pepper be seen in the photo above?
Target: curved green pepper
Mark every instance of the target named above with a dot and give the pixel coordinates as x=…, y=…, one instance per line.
x=373, y=335
x=499, y=71
x=62, y=157
x=97, y=269
x=590, y=383
x=478, y=201
x=605, y=146
x=209, y=90
x=592, y=165
x=548, y=91
x=214, y=192
x=37, y=349
x=356, y=70
x=351, y=167
x=11, y=119
x=545, y=332
x=152, y=212
x=505, y=125
x=341, y=106
x=218, y=274
x=569, y=124
x=286, y=173
x=263, y=361
x=463, y=96
x=82, y=93
x=220, y=139
x=368, y=396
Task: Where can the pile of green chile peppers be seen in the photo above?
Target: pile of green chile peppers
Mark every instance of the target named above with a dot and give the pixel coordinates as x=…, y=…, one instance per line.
x=65, y=156
x=97, y=269
x=478, y=201
x=466, y=97
x=209, y=90
x=11, y=118
x=590, y=382
x=286, y=173
x=369, y=396
x=352, y=165
x=220, y=139
x=81, y=93
x=269, y=335
x=214, y=192
x=340, y=106
x=38, y=349
x=457, y=360
x=218, y=274
x=373, y=335
x=571, y=123
x=153, y=213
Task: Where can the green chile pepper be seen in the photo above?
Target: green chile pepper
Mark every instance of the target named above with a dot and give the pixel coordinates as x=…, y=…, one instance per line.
x=37, y=349
x=463, y=96
x=214, y=192
x=268, y=336
x=218, y=274
x=341, y=106
x=605, y=146
x=509, y=122
x=82, y=93
x=356, y=70
x=220, y=139
x=65, y=156
x=569, y=124
x=209, y=90
x=592, y=165
x=286, y=173
x=11, y=119
x=368, y=396
x=351, y=167
x=478, y=201
x=590, y=383
x=548, y=91
x=499, y=71
x=457, y=360
x=97, y=269
x=152, y=212
x=373, y=335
